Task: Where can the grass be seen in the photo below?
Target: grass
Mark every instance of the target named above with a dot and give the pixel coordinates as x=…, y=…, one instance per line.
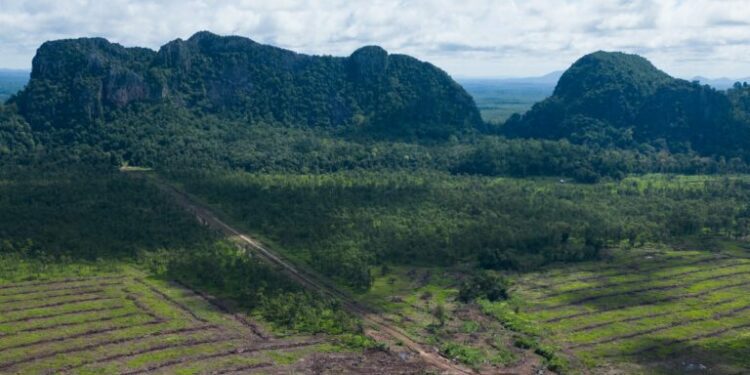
x=649, y=310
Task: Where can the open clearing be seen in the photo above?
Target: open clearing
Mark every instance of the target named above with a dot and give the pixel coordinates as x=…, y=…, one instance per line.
x=648, y=311
x=125, y=324
x=408, y=298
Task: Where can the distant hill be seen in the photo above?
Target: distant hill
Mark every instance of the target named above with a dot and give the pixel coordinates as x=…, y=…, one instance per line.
x=614, y=99
x=499, y=98
x=11, y=82
x=91, y=80
x=720, y=83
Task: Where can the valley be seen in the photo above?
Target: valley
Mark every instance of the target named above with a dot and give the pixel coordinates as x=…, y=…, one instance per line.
x=212, y=204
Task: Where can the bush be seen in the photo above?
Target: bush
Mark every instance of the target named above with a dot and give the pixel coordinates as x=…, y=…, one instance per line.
x=484, y=285
x=307, y=312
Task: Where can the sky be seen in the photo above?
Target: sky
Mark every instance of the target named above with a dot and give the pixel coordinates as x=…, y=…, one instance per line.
x=467, y=38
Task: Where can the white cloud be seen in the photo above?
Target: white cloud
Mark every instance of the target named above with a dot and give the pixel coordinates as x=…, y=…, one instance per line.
x=468, y=37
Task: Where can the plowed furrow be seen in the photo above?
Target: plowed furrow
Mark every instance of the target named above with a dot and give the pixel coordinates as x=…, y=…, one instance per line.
x=56, y=315
x=213, y=356
x=639, y=291
x=34, y=358
x=72, y=324
x=91, y=332
x=648, y=316
x=140, y=305
x=243, y=369
x=599, y=276
x=47, y=297
x=56, y=295
x=153, y=349
x=56, y=304
x=700, y=336
x=648, y=303
x=635, y=282
x=54, y=282
x=171, y=300
x=716, y=316
x=225, y=309
x=75, y=287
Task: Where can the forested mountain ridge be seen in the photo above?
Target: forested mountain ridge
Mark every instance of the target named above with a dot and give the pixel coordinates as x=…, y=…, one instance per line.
x=228, y=102
x=619, y=100
x=90, y=80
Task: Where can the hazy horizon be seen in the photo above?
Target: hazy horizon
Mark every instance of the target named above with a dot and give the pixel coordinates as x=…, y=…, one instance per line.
x=462, y=77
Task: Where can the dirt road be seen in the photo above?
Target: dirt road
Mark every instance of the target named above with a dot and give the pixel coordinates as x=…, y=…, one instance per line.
x=378, y=327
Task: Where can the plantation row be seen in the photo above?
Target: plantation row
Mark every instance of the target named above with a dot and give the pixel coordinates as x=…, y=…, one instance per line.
x=127, y=325
x=650, y=310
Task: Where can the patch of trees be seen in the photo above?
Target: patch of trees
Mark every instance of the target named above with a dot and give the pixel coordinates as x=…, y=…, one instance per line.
x=89, y=214
x=227, y=272
x=344, y=224
x=16, y=139
x=170, y=137
x=50, y=219
x=484, y=285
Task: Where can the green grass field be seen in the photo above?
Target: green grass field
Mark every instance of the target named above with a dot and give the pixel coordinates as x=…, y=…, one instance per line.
x=93, y=321
x=649, y=310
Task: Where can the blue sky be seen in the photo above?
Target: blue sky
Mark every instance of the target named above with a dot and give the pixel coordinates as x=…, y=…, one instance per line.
x=468, y=38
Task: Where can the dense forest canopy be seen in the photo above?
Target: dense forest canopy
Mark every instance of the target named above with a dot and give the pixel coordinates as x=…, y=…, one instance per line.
x=228, y=102
x=92, y=81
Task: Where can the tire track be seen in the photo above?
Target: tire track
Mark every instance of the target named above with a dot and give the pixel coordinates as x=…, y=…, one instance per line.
x=649, y=303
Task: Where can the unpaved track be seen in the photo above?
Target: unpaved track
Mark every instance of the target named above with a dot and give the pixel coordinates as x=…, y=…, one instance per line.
x=307, y=279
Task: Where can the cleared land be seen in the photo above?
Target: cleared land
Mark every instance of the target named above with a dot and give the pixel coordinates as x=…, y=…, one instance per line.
x=125, y=324
x=647, y=311
x=422, y=302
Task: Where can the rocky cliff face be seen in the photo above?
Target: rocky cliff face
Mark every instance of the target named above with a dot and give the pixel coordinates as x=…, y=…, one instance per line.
x=84, y=81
